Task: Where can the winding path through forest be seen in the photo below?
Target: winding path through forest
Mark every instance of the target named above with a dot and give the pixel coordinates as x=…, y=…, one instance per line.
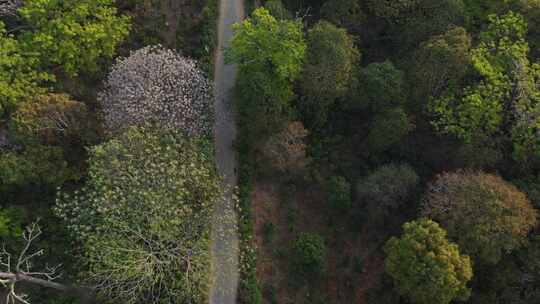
x=225, y=270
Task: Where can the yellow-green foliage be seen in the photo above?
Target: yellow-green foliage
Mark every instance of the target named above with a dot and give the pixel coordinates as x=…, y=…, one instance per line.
x=19, y=77
x=73, y=34
x=425, y=266
x=143, y=217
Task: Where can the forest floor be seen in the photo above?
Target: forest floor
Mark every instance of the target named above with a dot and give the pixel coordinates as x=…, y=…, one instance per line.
x=225, y=270
x=352, y=266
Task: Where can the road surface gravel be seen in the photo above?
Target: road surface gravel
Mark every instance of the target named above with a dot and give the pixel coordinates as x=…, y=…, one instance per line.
x=225, y=250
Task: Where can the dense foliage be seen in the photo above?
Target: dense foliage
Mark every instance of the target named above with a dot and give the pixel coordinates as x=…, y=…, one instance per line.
x=426, y=267
x=19, y=77
x=350, y=115
x=328, y=70
x=308, y=253
x=505, y=100
x=158, y=86
x=269, y=53
x=73, y=34
x=484, y=214
x=143, y=217
x=387, y=188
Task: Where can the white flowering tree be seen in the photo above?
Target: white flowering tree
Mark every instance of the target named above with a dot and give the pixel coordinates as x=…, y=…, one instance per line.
x=156, y=85
x=143, y=217
x=9, y=7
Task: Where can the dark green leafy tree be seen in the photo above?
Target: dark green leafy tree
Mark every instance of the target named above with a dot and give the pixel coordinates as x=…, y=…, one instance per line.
x=505, y=101
x=73, y=34
x=35, y=166
x=278, y=10
x=339, y=193
x=388, y=128
x=344, y=13
x=380, y=87
x=484, y=214
x=387, y=189
x=328, y=70
x=309, y=253
x=391, y=9
x=143, y=217
x=440, y=63
x=11, y=222
x=425, y=266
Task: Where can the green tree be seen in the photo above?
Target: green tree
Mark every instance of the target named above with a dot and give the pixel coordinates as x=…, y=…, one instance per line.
x=53, y=119
x=276, y=9
x=413, y=21
x=270, y=54
x=388, y=128
x=309, y=253
x=505, y=101
x=380, y=87
x=11, y=220
x=387, y=189
x=390, y=8
x=484, y=214
x=339, y=193
x=440, y=63
x=344, y=13
x=35, y=166
x=425, y=266
x=327, y=72
x=143, y=217
x=263, y=44
x=73, y=34
x=19, y=75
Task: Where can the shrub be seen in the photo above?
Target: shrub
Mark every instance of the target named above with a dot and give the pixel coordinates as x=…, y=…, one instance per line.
x=308, y=254
x=339, y=193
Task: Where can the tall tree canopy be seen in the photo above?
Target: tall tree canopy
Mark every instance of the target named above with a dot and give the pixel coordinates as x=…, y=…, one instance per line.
x=267, y=45
x=330, y=59
x=413, y=21
x=157, y=85
x=440, y=62
x=505, y=100
x=19, y=74
x=73, y=34
x=425, y=266
x=487, y=216
x=270, y=54
x=143, y=217
x=387, y=189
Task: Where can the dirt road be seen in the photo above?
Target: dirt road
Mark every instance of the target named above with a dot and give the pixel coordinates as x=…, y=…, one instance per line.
x=225, y=269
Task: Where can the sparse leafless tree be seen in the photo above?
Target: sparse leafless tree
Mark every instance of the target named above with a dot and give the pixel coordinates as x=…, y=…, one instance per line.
x=157, y=85
x=20, y=268
x=287, y=149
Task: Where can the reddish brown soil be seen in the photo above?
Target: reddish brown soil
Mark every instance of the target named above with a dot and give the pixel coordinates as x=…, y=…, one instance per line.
x=341, y=284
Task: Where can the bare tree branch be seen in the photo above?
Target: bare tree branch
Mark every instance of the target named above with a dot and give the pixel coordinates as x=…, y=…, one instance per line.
x=22, y=272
